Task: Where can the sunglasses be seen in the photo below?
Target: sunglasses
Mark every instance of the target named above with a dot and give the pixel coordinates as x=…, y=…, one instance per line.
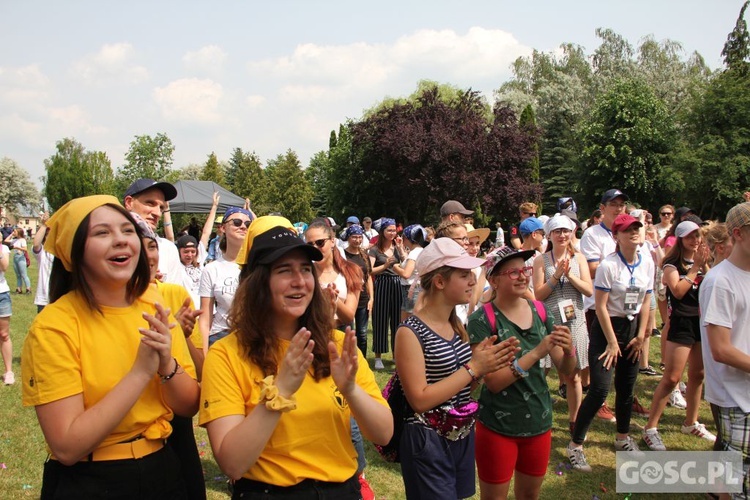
x=238, y=222
x=665, y=213
x=514, y=274
x=318, y=243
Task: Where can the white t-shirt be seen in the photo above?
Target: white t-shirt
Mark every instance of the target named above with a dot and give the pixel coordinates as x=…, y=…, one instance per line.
x=596, y=243
x=194, y=276
x=3, y=282
x=44, y=260
x=19, y=244
x=413, y=254
x=724, y=297
x=615, y=277
x=219, y=281
x=343, y=292
x=170, y=267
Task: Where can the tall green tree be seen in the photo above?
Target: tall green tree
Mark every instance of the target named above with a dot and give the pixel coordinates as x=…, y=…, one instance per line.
x=250, y=182
x=626, y=144
x=235, y=162
x=73, y=172
x=317, y=176
x=147, y=157
x=191, y=172
x=288, y=189
x=16, y=187
x=213, y=171
x=736, y=50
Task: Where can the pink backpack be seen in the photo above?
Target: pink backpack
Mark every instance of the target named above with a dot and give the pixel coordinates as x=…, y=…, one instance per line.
x=540, y=310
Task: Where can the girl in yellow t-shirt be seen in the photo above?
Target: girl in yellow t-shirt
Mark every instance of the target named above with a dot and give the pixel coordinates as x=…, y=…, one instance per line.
x=100, y=365
x=278, y=393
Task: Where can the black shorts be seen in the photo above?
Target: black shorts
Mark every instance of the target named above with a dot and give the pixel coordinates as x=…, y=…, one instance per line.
x=684, y=330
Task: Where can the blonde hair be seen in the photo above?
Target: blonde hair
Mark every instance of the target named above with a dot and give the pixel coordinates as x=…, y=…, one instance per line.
x=527, y=207
x=715, y=233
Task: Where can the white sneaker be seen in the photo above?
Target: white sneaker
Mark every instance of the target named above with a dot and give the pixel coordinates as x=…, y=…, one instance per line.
x=653, y=440
x=699, y=430
x=676, y=399
x=682, y=386
x=627, y=444
x=578, y=459
x=9, y=378
x=379, y=364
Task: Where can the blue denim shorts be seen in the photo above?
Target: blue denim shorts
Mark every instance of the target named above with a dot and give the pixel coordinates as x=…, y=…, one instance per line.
x=5, y=309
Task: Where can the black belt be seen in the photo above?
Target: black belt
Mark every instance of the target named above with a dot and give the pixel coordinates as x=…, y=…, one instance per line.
x=252, y=486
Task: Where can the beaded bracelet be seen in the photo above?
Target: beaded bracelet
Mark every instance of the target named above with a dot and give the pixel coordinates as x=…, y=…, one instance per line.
x=473, y=374
x=273, y=400
x=165, y=378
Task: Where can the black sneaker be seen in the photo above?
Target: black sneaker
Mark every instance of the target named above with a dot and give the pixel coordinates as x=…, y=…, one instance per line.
x=655, y=333
x=585, y=389
x=648, y=371
x=562, y=391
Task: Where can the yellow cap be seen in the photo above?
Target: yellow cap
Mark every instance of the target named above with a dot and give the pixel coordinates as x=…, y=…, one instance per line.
x=62, y=226
x=260, y=226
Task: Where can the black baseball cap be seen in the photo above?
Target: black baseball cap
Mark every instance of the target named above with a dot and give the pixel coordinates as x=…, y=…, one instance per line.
x=186, y=241
x=454, y=207
x=273, y=244
x=141, y=185
x=611, y=194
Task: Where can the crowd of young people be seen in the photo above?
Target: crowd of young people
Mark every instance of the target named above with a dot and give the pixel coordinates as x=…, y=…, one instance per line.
x=271, y=338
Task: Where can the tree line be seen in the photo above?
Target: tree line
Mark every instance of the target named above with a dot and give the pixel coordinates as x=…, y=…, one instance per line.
x=647, y=119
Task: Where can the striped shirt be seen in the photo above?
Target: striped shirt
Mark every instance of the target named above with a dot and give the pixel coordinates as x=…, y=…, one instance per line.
x=441, y=358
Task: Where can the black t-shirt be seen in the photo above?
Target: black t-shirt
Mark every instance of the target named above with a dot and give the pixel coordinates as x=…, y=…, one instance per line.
x=358, y=259
x=514, y=232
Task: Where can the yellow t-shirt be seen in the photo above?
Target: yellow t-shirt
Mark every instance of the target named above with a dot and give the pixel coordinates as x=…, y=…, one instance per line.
x=174, y=296
x=310, y=442
x=72, y=350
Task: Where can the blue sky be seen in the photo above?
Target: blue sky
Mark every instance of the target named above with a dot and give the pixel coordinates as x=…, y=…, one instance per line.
x=269, y=76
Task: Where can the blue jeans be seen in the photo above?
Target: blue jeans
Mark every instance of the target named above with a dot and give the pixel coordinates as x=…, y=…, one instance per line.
x=22, y=275
x=361, y=318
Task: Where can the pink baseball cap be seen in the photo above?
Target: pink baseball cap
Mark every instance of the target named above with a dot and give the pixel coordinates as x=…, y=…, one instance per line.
x=445, y=252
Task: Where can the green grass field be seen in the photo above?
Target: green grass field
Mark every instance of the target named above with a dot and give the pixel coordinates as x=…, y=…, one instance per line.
x=22, y=451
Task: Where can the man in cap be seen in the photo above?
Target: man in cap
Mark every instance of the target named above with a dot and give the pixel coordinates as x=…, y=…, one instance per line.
x=724, y=297
x=526, y=210
x=454, y=211
x=149, y=199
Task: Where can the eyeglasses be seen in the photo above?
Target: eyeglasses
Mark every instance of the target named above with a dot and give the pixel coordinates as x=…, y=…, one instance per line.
x=238, y=222
x=514, y=274
x=464, y=240
x=561, y=231
x=318, y=243
x=665, y=213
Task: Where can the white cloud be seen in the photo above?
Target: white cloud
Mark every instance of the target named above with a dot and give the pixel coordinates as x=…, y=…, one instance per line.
x=112, y=63
x=190, y=100
x=23, y=86
x=469, y=59
x=255, y=101
x=209, y=59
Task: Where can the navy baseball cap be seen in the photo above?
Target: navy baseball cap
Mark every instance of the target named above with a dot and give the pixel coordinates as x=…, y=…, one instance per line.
x=141, y=185
x=611, y=194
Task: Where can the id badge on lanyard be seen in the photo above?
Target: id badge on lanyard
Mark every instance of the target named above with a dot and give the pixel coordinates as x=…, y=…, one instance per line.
x=631, y=298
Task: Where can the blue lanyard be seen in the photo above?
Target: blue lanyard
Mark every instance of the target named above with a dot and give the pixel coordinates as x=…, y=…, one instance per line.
x=605, y=228
x=631, y=269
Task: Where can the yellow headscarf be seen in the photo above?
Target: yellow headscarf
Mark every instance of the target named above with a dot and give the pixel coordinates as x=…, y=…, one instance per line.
x=260, y=226
x=62, y=226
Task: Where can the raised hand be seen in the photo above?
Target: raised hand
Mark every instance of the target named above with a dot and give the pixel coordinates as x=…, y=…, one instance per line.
x=186, y=317
x=488, y=356
x=344, y=366
x=296, y=362
x=158, y=336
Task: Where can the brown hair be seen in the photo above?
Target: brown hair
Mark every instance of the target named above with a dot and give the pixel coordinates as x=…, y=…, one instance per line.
x=62, y=281
x=253, y=325
x=351, y=271
x=445, y=229
x=715, y=233
x=426, y=281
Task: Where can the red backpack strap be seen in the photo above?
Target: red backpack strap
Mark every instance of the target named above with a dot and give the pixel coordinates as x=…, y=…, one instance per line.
x=540, y=310
x=490, y=317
